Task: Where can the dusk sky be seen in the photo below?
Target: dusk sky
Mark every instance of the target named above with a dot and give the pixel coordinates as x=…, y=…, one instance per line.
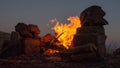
x=40, y=12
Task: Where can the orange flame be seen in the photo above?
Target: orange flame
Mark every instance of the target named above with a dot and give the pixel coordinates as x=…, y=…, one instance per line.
x=66, y=32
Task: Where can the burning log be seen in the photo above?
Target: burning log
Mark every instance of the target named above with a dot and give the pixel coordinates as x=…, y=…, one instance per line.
x=50, y=52
x=51, y=45
x=47, y=39
x=86, y=48
x=66, y=32
x=55, y=39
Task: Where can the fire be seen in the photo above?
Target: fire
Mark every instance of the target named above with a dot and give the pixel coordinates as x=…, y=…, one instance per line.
x=66, y=32
x=50, y=52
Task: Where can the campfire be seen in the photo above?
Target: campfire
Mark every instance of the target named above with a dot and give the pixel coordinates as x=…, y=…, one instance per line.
x=66, y=32
x=83, y=36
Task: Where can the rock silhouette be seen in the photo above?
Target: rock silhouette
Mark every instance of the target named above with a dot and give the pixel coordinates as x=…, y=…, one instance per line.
x=93, y=16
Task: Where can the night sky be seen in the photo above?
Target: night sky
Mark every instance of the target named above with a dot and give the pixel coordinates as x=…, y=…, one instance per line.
x=40, y=12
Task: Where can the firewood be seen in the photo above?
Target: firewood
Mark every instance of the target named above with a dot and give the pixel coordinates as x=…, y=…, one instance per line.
x=87, y=48
x=87, y=52
x=50, y=42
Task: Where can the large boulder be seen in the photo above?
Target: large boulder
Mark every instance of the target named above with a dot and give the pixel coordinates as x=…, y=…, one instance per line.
x=11, y=48
x=23, y=30
x=91, y=34
x=93, y=16
x=29, y=36
x=34, y=30
x=32, y=46
x=25, y=39
x=15, y=36
x=92, y=30
x=3, y=36
x=47, y=38
x=27, y=31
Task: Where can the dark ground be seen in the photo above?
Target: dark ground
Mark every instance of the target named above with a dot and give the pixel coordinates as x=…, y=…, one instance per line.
x=26, y=62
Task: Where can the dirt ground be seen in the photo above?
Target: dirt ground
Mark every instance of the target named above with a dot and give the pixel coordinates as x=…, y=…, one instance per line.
x=109, y=62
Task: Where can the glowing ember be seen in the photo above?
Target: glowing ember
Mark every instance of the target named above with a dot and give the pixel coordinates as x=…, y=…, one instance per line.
x=50, y=52
x=66, y=32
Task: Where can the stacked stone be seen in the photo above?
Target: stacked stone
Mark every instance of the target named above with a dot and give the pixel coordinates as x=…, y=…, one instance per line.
x=24, y=40
x=29, y=37
x=92, y=30
x=93, y=16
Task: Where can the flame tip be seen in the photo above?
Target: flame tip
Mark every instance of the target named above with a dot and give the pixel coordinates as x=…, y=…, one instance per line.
x=68, y=29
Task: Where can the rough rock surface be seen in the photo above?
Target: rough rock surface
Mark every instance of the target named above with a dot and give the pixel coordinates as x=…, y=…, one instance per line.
x=92, y=30
x=3, y=36
x=93, y=16
x=32, y=46
x=25, y=39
